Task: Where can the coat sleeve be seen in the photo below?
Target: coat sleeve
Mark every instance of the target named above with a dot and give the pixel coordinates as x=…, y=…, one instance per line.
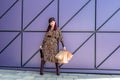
x=61, y=38
x=44, y=39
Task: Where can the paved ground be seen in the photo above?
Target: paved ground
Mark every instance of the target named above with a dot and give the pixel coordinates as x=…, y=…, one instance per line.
x=33, y=75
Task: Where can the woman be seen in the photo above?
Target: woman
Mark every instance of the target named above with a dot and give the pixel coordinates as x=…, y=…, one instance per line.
x=49, y=46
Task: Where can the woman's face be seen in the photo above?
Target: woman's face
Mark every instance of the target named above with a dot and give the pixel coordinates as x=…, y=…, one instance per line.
x=52, y=23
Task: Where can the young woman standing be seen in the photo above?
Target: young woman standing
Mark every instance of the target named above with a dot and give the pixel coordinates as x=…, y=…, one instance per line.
x=49, y=46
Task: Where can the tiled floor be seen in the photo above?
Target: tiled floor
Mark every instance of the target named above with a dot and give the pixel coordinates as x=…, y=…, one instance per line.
x=33, y=75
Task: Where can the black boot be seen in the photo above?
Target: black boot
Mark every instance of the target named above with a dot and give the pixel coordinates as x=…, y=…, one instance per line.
x=42, y=66
x=57, y=69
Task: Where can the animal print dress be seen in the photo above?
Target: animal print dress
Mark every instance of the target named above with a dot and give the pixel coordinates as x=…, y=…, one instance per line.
x=50, y=45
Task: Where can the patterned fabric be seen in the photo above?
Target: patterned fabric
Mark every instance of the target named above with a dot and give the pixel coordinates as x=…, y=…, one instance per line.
x=50, y=45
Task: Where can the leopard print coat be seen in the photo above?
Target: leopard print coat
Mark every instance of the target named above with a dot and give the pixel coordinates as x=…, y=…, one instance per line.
x=50, y=45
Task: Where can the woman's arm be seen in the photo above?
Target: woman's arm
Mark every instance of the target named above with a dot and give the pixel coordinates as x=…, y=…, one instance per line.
x=43, y=42
x=61, y=39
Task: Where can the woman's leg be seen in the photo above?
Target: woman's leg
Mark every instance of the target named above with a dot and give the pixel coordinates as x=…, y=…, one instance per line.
x=42, y=66
x=57, y=68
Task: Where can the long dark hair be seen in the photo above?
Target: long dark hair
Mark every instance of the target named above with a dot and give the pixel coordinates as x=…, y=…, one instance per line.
x=49, y=27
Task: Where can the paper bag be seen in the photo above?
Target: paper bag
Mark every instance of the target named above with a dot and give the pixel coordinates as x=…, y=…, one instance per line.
x=64, y=56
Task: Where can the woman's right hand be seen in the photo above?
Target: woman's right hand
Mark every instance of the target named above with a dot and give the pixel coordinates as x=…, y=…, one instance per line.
x=64, y=48
x=40, y=47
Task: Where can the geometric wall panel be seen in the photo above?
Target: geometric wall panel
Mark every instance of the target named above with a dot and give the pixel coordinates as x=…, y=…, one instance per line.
x=11, y=56
x=106, y=44
x=4, y=8
x=33, y=9
x=69, y=10
x=34, y=62
x=84, y=57
x=82, y=21
x=104, y=11
x=6, y=39
x=90, y=29
x=12, y=19
x=29, y=50
x=3, y=4
x=112, y=62
x=39, y=23
x=77, y=40
x=113, y=24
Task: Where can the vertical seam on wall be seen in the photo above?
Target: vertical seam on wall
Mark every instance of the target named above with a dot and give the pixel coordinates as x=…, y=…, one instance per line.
x=95, y=33
x=21, y=32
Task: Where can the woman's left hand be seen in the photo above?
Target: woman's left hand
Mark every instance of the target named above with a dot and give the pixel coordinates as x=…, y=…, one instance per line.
x=64, y=48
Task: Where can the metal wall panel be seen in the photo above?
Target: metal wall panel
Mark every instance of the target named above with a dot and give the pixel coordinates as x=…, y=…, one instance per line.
x=90, y=29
